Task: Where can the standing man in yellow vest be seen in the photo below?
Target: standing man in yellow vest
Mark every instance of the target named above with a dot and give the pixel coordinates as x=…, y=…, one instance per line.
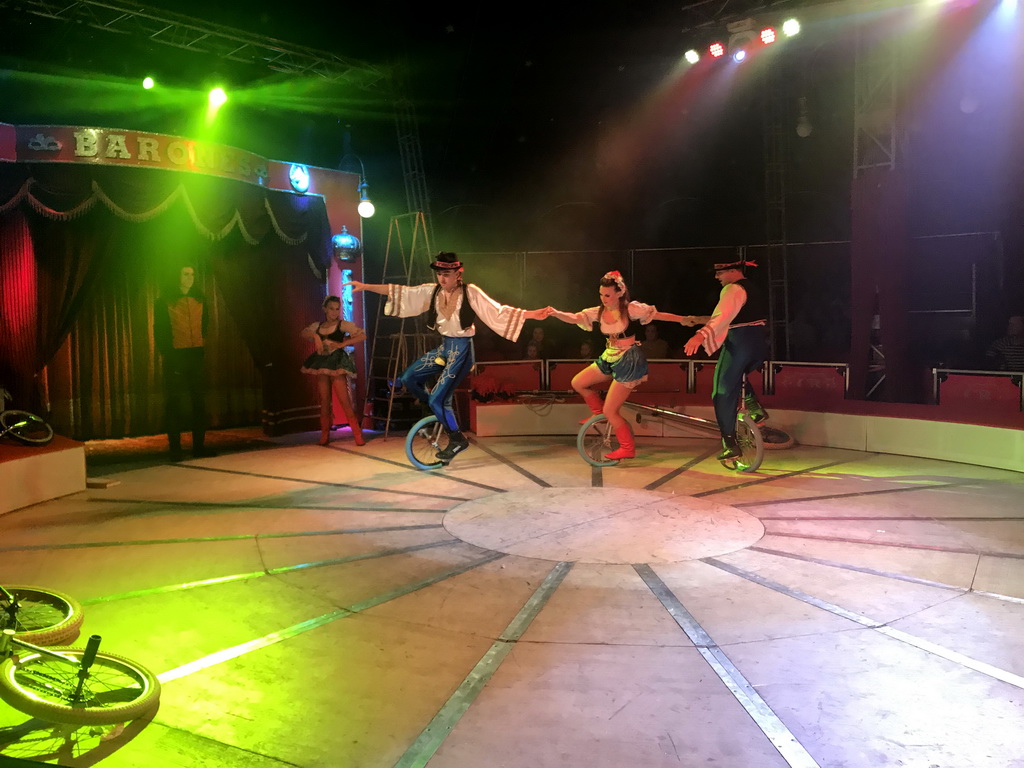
x=180, y=320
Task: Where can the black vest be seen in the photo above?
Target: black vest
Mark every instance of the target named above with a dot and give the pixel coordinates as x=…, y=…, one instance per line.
x=755, y=308
x=467, y=316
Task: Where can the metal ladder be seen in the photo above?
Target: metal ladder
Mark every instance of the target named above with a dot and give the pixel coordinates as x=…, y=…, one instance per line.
x=406, y=261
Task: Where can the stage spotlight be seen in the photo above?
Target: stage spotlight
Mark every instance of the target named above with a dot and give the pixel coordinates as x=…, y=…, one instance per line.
x=791, y=27
x=739, y=56
x=148, y=82
x=692, y=56
x=217, y=98
x=717, y=50
x=768, y=36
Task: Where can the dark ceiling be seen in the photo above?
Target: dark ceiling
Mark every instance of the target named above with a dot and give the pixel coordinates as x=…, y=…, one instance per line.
x=524, y=109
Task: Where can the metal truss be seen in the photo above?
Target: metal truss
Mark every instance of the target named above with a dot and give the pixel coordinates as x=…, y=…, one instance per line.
x=189, y=34
x=876, y=132
x=707, y=13
x=775, y=162
x=222, y=42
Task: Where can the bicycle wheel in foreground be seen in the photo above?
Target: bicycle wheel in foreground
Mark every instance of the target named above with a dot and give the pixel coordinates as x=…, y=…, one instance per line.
x=26, y=427
x=423, y=442
x=595, y=440
x=44, y=617
x=116, y=691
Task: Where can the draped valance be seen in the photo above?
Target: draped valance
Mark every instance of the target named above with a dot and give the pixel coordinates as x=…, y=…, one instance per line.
x=216, y=206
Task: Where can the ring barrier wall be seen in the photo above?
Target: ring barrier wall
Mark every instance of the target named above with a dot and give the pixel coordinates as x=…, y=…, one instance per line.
x=977, y=417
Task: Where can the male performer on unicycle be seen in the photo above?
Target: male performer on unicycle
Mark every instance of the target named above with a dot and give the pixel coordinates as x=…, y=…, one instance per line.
x=738, y=327
x=456, y=306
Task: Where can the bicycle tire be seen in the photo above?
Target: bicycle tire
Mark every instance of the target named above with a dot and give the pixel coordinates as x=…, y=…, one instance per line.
x=594, y=440
x=44, y=617
x=748, y=435
x=776, y=439
x=423, y=442
x=25, y=427
x=116, y=691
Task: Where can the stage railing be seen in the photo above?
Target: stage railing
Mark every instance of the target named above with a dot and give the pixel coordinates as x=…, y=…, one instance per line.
x=973, y=389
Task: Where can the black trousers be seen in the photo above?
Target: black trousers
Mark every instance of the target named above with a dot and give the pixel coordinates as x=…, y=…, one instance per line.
x=185, y=381
x=744, y=350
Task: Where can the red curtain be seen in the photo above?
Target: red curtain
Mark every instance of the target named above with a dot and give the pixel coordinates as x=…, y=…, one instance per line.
x=17, y=307
x=83, y=254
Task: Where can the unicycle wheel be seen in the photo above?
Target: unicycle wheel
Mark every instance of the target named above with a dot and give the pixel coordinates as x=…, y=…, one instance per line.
x=595, y=440
x=424, y=440
x=748, y=436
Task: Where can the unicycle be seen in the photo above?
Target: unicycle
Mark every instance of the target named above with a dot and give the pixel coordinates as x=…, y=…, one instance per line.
x=749, y=438
x=424, y=440
x=595, y=440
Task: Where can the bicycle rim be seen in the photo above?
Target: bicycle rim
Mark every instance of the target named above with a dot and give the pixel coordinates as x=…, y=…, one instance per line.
x=26, y=427
x=748, y=435
x=44, y=617
x=424, y=440
x=595, y=440
x=117, y=689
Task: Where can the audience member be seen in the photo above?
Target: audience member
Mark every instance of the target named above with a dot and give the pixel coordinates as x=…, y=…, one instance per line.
x=1007, y=352
x=655, y=347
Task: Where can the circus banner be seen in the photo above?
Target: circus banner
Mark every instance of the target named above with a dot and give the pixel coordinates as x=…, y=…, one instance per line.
x=104, y=146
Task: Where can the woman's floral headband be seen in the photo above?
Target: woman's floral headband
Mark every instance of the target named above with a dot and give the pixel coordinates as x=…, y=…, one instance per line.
x=616, y=277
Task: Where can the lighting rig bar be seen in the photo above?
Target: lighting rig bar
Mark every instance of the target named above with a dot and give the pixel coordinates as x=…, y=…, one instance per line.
x=185, y=33
x=706, y=13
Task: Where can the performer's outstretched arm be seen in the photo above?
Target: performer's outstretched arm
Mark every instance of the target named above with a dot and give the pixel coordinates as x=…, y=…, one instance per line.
x=358, y=286
x=573, y=318
x=504, y=320
x=682, y=319
x=712, y=334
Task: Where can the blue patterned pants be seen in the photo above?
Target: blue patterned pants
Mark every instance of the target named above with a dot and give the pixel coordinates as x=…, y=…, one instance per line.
x=458, y=355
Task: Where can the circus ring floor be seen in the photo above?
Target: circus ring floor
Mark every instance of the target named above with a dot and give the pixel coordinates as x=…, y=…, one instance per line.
x=309, y=606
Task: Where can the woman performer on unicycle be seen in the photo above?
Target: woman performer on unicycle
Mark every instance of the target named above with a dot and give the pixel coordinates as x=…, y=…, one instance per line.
x=623, y=362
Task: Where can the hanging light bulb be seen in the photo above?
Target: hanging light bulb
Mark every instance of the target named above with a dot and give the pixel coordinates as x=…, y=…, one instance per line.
x=366, y=208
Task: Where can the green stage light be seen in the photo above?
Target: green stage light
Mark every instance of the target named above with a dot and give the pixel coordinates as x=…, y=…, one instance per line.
x=148, y=83
x=217, y=98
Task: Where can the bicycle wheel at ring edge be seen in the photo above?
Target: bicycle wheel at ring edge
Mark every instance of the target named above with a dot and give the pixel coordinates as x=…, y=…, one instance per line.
x=117, y=690
x=748, y=435
x=593, y=441
x=25, y=427
x=44, y=617
x=776, y=439
x=423, y=442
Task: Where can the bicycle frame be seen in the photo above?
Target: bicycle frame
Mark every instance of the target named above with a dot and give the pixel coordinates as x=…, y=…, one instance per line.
x=8, y=644
x=684, y=419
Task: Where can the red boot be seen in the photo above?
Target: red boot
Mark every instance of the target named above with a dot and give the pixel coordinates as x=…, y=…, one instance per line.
x=594, y=403
x=627, y=448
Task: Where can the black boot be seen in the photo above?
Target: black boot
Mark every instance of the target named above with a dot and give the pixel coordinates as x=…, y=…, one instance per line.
x=174, y=443
x=731, y=448
x=754, y=409
x=199, y=449
x=457, y=443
